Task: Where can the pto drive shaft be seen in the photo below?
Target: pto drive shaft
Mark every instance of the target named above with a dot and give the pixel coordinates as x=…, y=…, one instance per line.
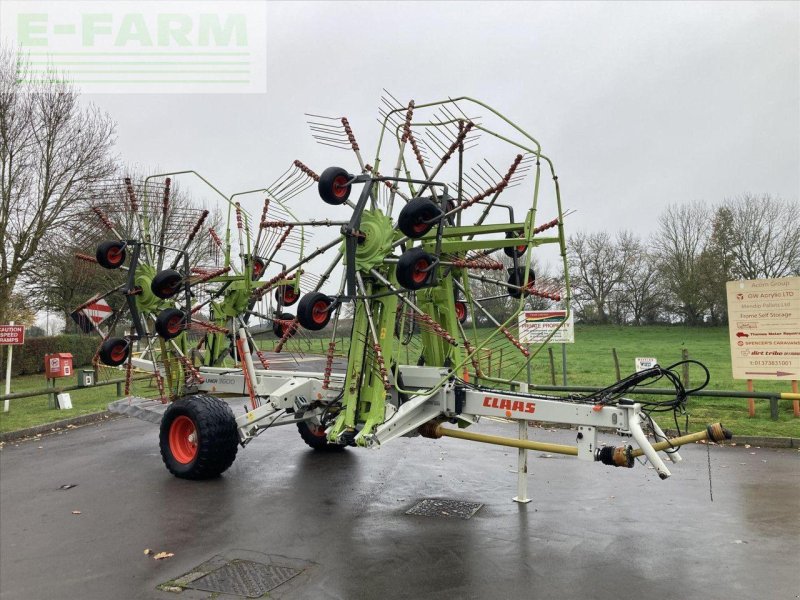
x=620, y=456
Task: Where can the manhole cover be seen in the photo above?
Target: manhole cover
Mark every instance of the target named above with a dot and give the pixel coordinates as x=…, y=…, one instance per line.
x=432, y=507
x=244, y=578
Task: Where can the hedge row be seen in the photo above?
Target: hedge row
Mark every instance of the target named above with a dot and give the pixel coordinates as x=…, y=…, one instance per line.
x=28, y=359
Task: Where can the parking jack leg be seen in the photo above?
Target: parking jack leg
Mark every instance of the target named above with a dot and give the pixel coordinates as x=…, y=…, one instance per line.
x=522, y=467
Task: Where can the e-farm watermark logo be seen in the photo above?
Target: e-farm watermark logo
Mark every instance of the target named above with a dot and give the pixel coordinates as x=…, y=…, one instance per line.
x=140, y=47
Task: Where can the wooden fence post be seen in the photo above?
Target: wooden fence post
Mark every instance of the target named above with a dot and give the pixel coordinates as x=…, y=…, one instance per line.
x=685, y=356
x=552, y=366
x=616, y=363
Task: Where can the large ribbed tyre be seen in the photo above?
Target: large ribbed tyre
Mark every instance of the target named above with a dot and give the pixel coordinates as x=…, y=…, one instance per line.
x=412, y=267
x=198, y=437
x=111, y=254
x=333, y=185
x=314, y=435
x=517, y=278
x=413, y=219
x=314, y=311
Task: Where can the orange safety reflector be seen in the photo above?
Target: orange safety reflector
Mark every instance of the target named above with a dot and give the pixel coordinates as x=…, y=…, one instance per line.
x=597, y=407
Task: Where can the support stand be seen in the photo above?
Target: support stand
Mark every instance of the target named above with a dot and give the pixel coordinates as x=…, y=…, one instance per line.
x=522, y=462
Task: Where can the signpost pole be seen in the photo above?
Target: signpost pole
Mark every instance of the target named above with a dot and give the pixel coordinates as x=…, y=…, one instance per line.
x=751, y=404
x=564, y=364
x=8, y=376
x=795, y=403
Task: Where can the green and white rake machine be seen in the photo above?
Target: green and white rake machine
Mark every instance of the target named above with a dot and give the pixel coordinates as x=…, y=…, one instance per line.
x=435, y=259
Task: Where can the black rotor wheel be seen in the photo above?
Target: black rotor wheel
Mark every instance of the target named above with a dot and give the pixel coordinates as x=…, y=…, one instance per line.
x=418, y=217
x=334, y=186
x=166, y=283
x=314, y=311
x=170, y=323
x=114, y=351
x=413, y=268
x=516, y=277
x=111, y=254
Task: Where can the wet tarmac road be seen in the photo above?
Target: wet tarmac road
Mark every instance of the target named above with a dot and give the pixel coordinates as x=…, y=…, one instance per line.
x=591, y=532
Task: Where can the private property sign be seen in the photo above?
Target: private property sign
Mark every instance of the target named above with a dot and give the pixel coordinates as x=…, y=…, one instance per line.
x=536, y=325
x=764, y=322
x=12, y=335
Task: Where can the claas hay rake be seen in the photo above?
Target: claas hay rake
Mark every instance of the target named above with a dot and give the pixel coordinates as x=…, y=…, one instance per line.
x=425, y=256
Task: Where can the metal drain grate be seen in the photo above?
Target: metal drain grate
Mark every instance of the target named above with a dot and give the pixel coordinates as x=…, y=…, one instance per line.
x=244, y=578
x=434, y=507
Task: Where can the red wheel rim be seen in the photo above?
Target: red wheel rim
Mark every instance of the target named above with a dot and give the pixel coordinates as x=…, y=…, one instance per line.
x=420, y=227
x=461, y=310
x=183, y=439
x=319, y=312
x=119, y=352
x=258, y=268
x=521, y=249
x=289, y=295
x=340, y=186
x=114, y=255
x=420, y=275
x=316, y=430
x=175, y=324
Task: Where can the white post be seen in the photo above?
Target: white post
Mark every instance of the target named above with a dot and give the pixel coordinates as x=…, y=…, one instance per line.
x=8, y=375
x=522, y=461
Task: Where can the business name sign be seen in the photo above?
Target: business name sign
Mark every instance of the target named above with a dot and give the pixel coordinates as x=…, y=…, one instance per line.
x=764, y=324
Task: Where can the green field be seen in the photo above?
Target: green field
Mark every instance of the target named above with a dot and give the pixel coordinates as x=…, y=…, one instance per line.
x=590, y=362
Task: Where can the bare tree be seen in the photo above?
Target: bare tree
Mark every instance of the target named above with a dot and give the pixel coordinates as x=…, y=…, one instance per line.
x=762, y=233
x=598, y=266
x=51, y=150
x=640, y=293
x=682, y=236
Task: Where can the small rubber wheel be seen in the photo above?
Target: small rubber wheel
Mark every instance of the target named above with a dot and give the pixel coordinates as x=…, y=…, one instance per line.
x=198, y=437
x=414, y=216
x=111, y=254
x=314, y=311
x=114, y=351
x=461, y=311
x=514, y=251
x=314, y=436
x=517, y=277
x=286, y=295
x=259, y=266
x=279, y=327
x=333, y=185
x=170, y=323
x=166, y=284
x=411, y=268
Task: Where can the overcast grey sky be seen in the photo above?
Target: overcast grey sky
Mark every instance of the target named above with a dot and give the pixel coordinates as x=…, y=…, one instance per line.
x=639, y=104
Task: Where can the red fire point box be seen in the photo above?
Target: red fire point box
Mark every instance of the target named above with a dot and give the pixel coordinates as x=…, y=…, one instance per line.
x=58, y=365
